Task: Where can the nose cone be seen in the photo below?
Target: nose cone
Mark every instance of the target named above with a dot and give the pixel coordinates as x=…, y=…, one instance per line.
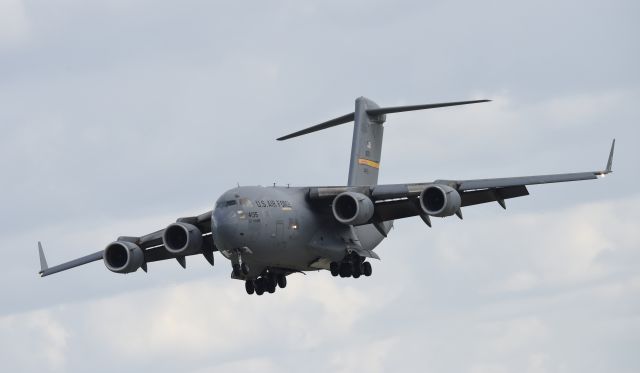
x=225, y=230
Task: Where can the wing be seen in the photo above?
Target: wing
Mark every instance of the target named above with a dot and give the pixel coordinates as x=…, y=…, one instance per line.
x=150, y=247
x=397, y=201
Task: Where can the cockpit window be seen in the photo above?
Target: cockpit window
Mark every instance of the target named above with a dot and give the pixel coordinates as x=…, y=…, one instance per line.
x=246, y=202
x=225, y=203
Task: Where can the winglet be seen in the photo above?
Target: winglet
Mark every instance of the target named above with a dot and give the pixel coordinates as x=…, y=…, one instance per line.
x=610, y=161
x=43, y=260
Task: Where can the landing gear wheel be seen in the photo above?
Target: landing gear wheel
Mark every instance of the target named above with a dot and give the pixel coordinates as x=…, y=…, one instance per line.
x=345, y=270
x=334, y=267
x=366, y=269
x=357, y=269
x=249, y=287
x=271, y=285
x=244, y=268
x=282, y=281
x=259, y=286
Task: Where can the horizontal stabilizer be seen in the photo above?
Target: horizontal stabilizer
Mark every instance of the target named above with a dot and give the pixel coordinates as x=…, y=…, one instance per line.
x=318, y=127
x=400, y=109
x=373, y=112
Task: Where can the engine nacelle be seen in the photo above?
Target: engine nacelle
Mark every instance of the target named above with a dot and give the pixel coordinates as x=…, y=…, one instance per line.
x=440, y=200
x=352, y=208
x=179, y=238
x=123, y=257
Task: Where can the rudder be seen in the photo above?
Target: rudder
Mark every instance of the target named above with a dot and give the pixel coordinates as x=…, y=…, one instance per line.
x=366, y=147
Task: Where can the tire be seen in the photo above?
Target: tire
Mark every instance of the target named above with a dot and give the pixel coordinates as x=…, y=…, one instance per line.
x=334, y=267
x=366, y=269
x=249, y=287
x=282, y=281
x=244, y=268
x=271, y=285
x=356, y=269
x=259, y=286
x=345, y=270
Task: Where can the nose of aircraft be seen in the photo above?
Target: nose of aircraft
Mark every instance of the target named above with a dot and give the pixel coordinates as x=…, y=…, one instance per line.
x=225, y=230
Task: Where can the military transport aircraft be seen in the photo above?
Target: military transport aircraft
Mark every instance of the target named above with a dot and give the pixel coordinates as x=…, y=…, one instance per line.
x=268, y=233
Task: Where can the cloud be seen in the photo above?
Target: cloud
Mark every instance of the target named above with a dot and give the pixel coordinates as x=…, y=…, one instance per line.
x=33, y=341
x=14, y=23
x=198, y=319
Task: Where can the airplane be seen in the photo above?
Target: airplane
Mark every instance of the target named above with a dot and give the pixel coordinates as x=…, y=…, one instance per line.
x=268, y=233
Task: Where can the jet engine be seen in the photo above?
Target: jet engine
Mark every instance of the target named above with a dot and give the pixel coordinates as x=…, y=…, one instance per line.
x=179, y=238
x=352, y=208
x=440, y=200
x=123, y=257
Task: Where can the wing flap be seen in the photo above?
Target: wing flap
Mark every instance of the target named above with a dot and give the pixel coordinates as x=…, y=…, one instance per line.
x=477, y=197
x=396, y=209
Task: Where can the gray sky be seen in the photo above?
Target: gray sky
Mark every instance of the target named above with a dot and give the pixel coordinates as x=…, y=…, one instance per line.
x=119, y=116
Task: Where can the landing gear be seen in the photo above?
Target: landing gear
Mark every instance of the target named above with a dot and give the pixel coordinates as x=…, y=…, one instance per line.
x=282, y=281
x=357, y=269
x=259, y=285
x=236, y=271
x=345, y=269
x=267, y=283
x=271, y=284
x=335, y=268
x=366, y=269
x=240, y=269
x=249, y=287
x=244, y=268
x=353, y=265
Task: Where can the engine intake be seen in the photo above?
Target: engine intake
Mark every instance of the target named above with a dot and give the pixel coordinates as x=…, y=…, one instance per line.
x=352, y=208
x=440, y=200
x=123, y=257
x=179, y=238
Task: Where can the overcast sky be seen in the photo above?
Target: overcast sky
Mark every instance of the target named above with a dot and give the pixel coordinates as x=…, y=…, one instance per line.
x=117, y=117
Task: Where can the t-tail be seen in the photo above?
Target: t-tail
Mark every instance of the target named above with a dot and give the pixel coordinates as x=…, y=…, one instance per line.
x=366, y=148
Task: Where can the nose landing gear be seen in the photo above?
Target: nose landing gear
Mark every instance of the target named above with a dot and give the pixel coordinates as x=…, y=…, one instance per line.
x=240, y=269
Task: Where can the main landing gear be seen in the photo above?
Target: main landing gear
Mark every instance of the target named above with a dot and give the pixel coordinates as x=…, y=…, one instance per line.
x=352, y=265
x=267, y=283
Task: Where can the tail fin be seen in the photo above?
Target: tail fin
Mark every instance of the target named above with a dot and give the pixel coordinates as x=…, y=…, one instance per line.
x=366, y=148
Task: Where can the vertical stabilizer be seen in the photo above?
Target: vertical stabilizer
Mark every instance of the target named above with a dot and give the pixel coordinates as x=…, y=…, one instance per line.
x=366, y=148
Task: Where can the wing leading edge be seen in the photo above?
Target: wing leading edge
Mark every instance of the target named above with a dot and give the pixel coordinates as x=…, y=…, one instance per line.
x=397, y=201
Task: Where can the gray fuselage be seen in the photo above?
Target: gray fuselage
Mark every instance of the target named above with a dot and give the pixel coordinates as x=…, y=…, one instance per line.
x=277, y=227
